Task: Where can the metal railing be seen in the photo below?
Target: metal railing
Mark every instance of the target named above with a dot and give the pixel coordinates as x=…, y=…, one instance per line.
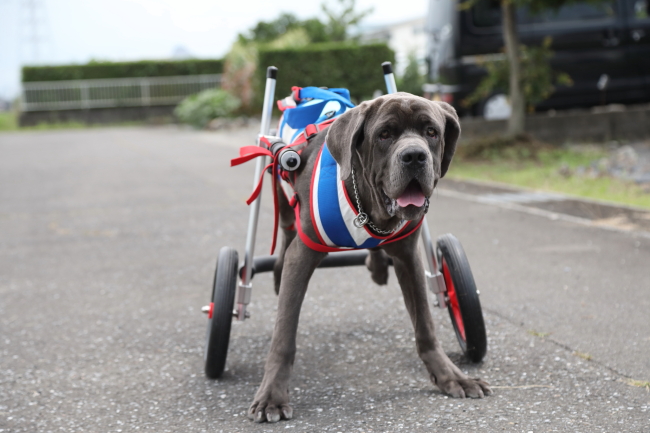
x=114, y=92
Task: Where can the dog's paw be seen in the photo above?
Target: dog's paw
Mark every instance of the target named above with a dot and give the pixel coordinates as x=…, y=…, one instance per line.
x=466, y=387
x=269, y=411
x=377, y=264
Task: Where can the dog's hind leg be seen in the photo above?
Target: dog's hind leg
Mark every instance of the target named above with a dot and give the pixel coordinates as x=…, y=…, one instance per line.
x=287, y=220
x=443, y=373
x=377, y=263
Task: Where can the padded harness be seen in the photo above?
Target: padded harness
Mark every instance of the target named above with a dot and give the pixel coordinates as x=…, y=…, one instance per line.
x=332, y=212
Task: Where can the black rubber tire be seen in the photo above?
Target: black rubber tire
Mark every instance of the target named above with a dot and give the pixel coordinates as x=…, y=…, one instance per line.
x=466, y=308
x=223, y=298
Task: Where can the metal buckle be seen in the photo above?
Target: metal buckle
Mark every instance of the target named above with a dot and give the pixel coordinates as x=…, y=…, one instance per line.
x=361, y=220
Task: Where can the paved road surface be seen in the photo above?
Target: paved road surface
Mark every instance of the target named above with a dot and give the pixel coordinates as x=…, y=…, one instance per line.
x=108, y=239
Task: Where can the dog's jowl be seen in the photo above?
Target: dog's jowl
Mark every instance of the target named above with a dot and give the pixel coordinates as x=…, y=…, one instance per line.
x=364, y=182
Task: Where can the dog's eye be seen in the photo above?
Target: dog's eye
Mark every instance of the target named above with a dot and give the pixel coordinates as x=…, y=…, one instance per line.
x=384, y=134
x=431, y=132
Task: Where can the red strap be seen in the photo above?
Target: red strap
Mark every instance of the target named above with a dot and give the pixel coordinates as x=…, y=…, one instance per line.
x=247, y=153
x=258, y=188
x=250, y=152
x=311, y=130
x=305, y=239
x=295, y=92
x=327, y=249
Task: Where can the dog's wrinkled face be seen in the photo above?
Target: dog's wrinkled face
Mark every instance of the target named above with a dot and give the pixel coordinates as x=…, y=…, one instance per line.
x=401, y=144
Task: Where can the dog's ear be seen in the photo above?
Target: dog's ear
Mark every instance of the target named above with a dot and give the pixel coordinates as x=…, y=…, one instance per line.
x=344, y=135
x=452, y=133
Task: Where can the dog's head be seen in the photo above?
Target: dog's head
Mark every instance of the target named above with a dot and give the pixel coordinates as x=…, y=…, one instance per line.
x=401, y=145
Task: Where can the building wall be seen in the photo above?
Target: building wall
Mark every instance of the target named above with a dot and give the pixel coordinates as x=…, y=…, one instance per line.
x=571, y=127
x=404, y=38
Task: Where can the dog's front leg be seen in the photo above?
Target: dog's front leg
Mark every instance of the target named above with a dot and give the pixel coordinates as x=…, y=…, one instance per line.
x=287, y=220
x=272, y=399
x=443, y=372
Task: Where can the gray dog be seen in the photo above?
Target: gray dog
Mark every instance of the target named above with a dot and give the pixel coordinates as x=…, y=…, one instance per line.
x=390, y=152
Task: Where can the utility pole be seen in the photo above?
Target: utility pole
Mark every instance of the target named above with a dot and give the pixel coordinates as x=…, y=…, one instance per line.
x=33, y=24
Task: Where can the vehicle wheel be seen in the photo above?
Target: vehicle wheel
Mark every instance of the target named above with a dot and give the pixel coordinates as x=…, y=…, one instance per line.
x=462, y=297
x=220, y=313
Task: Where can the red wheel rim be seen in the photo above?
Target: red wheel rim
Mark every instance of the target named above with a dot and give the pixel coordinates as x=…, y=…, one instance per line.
x=453, y=300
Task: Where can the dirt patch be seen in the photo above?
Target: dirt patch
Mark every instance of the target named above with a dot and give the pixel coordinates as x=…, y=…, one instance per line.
x=474, y=188
x=521, y=147
x=601, y=214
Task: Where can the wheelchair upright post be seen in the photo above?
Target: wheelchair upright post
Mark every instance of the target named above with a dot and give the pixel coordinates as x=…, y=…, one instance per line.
x=245, y=287
x=435, y=279
x=389, y=77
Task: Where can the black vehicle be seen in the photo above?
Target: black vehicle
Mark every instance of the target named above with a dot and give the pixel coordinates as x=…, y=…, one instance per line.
x=604, y=48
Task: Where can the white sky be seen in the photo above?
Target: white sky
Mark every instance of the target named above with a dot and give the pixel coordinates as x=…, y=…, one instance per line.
x=76, y=31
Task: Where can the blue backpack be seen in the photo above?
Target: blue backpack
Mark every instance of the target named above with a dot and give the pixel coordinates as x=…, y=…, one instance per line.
x=310, y=105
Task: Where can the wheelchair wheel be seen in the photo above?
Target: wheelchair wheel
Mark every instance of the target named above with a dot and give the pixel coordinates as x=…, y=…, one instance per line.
x=462, y=298
x=220, y=314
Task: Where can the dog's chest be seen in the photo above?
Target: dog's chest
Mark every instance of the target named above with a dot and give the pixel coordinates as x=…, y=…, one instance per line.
x=332, y=210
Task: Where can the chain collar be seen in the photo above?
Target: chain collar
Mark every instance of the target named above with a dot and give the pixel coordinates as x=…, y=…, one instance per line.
x=362, y=219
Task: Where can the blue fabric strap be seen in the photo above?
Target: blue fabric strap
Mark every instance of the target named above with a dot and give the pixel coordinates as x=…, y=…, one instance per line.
x=341, y=95
x=316, y=105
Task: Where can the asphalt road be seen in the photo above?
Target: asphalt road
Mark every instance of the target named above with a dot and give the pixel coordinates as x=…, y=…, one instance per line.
x=108, y=239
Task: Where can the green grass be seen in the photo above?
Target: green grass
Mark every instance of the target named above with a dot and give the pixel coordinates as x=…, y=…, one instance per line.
x=9, y=123
x=538, y=334
x=638, y=383
x=583, y=355
x=542, y=171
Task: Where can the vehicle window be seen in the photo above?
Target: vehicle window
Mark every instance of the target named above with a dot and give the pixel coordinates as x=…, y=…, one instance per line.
x=487, y=13
x=577, y=12
x=638, y=10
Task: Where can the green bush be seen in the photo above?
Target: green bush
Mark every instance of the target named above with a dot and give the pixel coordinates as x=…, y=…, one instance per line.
x=145, y=68
x=355, y=67
x=412, y=80
x=199, y=109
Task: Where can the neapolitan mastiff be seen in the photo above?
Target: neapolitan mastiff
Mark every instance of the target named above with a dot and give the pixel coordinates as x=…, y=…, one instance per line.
x=389, y=154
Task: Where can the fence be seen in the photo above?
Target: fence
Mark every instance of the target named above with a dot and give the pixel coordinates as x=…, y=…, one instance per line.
x=112, y=93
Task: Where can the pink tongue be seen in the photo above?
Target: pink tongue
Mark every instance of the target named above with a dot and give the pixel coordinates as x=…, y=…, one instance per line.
x=411, y=195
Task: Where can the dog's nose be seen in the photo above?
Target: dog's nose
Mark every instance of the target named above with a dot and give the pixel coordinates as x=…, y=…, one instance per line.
x=413, y=157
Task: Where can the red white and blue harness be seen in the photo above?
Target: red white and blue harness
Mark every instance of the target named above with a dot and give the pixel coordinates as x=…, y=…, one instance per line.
x=332, y=212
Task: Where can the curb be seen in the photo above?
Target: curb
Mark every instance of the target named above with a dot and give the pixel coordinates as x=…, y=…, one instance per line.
x=613, y=217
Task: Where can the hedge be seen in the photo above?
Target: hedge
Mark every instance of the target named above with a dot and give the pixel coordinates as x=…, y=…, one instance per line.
x=355, y=67
x=145, y=68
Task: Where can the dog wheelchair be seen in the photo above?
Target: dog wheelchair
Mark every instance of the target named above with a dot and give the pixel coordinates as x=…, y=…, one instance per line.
x=449, y=275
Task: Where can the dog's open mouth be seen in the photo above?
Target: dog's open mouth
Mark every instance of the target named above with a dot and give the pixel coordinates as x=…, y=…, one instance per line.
x=412, y=195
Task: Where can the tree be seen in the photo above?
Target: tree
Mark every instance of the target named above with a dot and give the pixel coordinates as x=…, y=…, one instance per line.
x=340, y=22
x=412, y=80
x=285, y=31
x=271, y=30
x=239, y=70
x=537, y=77
x=516, y=125
x=336, y=29
x=316, y=30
